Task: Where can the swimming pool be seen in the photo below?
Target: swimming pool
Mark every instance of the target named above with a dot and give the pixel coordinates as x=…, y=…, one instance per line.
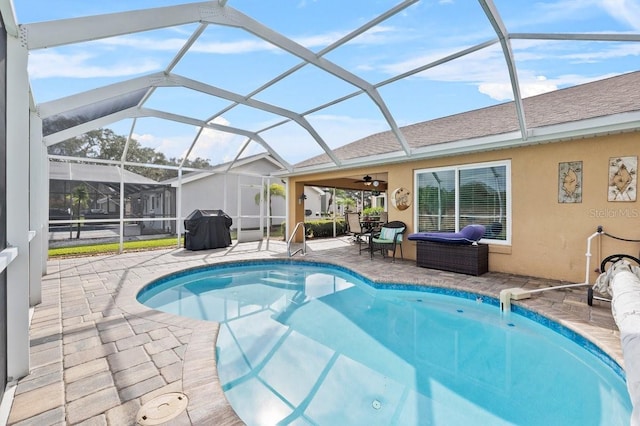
x=308, y=343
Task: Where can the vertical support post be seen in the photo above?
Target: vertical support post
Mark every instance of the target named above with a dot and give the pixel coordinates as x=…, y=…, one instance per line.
x=121, y=245
x=264, y=204
x=268, y=203
x=38, y=168
x=225, y=192
x=17, y=173
x=335, y=218
x=45, y=185
x=287, y=215
x=123, y=158
x=239, y=207
x=179, y=208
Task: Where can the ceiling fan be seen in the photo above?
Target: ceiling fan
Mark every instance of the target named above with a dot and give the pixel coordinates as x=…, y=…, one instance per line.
x=369, y=181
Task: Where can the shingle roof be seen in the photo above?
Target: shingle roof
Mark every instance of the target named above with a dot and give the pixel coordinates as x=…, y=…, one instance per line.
x=601, y=98
x=223, y=167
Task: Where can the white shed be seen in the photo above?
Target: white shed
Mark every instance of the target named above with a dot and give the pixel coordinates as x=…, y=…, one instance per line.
x=235, y=188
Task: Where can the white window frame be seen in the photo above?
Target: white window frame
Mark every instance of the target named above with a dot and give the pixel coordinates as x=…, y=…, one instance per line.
x=456, y=169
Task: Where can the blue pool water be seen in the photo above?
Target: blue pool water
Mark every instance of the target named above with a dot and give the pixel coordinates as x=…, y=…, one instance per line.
x=312, y=344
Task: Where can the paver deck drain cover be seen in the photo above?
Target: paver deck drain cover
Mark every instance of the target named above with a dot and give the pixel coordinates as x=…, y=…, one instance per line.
x=162, y=409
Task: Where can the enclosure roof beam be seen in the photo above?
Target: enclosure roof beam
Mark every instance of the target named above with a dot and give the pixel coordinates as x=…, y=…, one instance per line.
x=119, y=162
x=41, y=35
x=501, y=30
x=147, y=112
x=224, y=94
x=9, y=18
x=75, y=30
x=111, y=91
x=575, y=36
x=83, y=128
x=345, y=39
x=161, y=79
x=234, y=18
x=136, y=112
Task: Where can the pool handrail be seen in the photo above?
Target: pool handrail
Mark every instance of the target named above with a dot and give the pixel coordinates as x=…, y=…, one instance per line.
x=304, y=241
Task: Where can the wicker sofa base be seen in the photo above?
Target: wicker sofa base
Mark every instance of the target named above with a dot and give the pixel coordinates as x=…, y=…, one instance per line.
x=465, y=259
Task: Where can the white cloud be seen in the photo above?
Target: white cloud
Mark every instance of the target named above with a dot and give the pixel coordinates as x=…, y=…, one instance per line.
x=497, y=91
x=142, y=43
x=626, y=11
x=528, y=87
x=216, y=146
x=568, y=12
x=175, y=44
x=380, y=34
x=344, y=129
x=50, y=64
x=171, y=147
x=233, y=48
x=319, y=40
x=612, y=52
x=487, y=68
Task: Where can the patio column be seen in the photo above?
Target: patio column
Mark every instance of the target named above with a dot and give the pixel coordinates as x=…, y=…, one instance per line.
x=17, y=173
x=296, y=207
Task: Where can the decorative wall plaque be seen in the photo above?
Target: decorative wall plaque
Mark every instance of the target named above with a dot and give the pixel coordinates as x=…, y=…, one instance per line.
x=570, y=182
x=401, y=198
x=623, y=178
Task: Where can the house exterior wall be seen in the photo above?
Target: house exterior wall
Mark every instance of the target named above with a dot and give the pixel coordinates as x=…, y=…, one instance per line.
x=313, y=203
x=548, y=238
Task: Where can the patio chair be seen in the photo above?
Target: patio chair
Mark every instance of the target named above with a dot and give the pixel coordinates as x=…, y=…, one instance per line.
x=356, y=230
x=388, y=239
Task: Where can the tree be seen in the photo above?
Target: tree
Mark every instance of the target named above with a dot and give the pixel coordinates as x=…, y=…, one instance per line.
x=274, y=190
x=80, y=198
x=347, y=202
x=341, y=194
x=104, y=144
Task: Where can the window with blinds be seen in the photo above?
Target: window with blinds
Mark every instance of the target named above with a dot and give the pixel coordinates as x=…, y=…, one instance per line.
x=448, y=199
x=436, y=200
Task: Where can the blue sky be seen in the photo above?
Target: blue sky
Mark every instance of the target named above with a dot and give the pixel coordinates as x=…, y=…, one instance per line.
x=237, y=61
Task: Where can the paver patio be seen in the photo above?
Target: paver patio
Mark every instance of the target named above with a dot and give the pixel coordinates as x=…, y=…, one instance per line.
x=97, y=355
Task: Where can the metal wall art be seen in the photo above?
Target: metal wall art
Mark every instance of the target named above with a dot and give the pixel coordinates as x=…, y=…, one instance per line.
x=623, y=178
x=570, y=182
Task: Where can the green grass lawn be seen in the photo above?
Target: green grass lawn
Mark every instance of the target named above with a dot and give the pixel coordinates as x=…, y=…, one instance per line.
x=106, y=248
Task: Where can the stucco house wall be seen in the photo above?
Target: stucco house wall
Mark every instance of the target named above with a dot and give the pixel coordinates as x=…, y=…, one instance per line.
x=548, y=238
x=313, y=202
